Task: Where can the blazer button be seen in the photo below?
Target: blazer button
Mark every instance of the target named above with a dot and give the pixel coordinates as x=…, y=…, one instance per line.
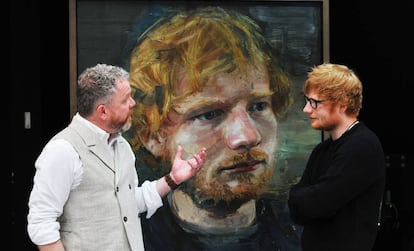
x=125, y=218
x=129, y=186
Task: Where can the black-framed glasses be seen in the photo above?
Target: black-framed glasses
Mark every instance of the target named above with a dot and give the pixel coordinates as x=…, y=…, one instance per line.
x=312, y=102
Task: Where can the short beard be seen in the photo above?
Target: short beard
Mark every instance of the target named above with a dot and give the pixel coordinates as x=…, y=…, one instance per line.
x=221, y=199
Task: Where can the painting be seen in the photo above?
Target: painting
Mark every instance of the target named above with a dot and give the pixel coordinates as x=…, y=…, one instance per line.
x=225, y=75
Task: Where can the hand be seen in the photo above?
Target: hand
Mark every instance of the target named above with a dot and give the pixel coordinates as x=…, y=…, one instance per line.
x=182, y=170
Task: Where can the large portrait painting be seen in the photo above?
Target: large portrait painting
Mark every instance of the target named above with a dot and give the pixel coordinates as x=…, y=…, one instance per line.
x=224, y=75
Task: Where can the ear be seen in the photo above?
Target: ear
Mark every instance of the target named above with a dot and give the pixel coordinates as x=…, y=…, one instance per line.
x=343, y=108
x=101, y=112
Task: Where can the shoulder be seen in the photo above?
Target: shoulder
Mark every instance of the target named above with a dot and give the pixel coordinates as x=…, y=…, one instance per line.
x=361, y=135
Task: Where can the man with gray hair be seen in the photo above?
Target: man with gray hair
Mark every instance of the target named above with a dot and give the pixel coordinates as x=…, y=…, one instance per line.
x=85, y=194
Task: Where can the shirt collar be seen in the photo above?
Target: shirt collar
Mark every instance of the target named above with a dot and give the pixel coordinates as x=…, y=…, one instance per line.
x=102, y=134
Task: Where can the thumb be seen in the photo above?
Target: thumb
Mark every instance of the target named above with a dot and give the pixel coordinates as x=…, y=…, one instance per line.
x=179, y=153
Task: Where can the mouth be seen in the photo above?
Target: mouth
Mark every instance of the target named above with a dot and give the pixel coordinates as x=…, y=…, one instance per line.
x=243, y=167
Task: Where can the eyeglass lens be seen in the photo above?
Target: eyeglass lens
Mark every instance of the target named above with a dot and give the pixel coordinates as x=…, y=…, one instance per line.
x=312, y=102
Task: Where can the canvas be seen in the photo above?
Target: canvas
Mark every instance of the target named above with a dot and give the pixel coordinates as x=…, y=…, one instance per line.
x=109, y=32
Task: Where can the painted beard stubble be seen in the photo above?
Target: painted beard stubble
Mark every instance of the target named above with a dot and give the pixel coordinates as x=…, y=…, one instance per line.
x=216, y=194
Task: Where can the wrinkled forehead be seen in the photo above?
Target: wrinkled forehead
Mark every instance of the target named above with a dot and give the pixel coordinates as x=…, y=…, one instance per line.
x=235, y=81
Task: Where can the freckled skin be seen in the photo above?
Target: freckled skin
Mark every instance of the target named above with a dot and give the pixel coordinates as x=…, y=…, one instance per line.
x=238, y=128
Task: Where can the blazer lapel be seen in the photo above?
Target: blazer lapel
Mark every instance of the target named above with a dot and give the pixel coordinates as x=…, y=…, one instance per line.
x=97, y=148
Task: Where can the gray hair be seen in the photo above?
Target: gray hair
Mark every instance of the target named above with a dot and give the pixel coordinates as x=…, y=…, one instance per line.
x=97, y=84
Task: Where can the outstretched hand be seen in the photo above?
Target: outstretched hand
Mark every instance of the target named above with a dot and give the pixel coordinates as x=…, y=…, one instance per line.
x=182, y=169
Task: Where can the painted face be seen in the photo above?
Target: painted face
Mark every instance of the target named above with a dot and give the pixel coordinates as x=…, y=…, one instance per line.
x=120, y=108
x=232, y=117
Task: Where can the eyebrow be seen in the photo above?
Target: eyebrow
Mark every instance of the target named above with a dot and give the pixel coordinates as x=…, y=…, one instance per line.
x=200, y=103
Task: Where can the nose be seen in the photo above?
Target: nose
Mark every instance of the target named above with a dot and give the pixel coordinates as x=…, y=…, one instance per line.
x=307, y=108
x=132, y=102
x=242, y=131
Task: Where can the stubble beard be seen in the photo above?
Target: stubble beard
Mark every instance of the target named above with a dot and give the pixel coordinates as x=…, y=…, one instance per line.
x=219, y=195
